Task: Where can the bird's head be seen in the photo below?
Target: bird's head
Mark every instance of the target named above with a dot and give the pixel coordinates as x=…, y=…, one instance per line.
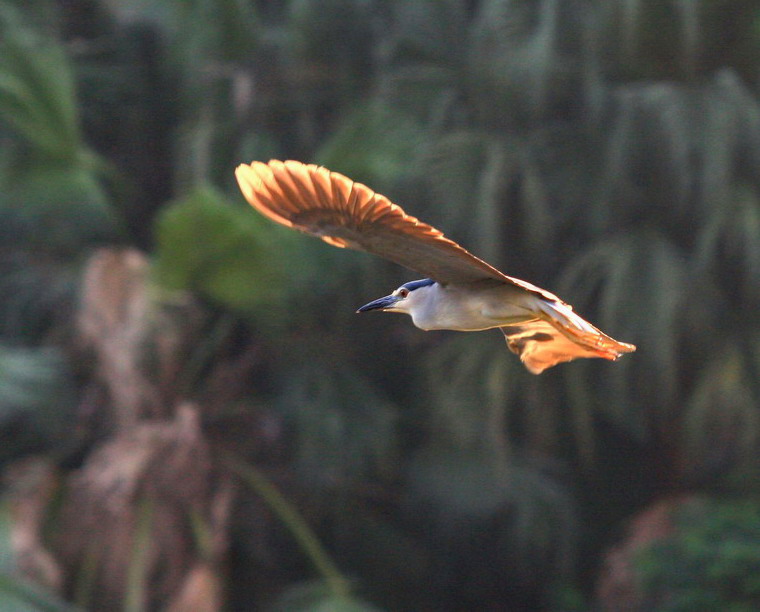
x=404, y=299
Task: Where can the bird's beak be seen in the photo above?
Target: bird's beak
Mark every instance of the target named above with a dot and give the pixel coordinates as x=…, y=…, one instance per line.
x=382, y=303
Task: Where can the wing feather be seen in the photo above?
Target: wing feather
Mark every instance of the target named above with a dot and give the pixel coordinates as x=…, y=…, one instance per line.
x=558, y=335
x=541, y=345
x=344, y=213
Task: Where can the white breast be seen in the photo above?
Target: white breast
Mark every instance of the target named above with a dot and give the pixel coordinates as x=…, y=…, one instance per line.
x=463, y=308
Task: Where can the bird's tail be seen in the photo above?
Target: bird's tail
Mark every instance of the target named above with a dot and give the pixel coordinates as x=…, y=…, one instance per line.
x=561, y=316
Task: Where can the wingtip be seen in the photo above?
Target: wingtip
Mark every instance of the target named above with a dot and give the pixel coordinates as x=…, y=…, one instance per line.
x=253, y=181
x=247, y=180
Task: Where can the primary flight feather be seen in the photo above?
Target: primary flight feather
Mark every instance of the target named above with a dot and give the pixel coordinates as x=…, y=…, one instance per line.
x=462, y=292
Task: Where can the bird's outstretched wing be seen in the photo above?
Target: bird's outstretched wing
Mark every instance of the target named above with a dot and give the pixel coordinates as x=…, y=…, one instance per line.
x=558, y=335
x=344, y=213
x=540, y=345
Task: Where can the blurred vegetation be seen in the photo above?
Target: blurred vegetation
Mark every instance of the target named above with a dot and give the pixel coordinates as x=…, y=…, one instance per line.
x=711, y=561
x=191, y=415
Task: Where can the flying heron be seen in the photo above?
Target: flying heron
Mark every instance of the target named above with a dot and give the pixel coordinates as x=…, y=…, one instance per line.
x=461, y=292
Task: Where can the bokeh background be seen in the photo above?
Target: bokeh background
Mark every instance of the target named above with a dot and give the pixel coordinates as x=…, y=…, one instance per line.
x=192, y=418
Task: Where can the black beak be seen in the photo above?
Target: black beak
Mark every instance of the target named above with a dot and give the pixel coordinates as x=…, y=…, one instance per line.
x=380, y=304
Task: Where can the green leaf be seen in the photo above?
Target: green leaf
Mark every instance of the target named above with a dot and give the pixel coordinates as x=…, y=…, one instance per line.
x=223, y=252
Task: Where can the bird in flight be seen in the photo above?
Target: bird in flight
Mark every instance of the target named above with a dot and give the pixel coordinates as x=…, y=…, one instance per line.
x=460, y=292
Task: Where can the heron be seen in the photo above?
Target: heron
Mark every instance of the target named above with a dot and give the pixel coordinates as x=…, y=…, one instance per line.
x=459, y=292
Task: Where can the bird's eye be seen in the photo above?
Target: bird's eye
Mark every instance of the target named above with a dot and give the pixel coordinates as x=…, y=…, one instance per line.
x=403, y=292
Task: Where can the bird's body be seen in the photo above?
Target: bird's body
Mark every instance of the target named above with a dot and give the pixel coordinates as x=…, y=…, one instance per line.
x=463, y=293
x=471, y=307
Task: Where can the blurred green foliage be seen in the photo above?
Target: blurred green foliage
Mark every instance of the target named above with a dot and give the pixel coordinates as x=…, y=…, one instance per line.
x=608, y=151
x=710, y=561
x=218, y=250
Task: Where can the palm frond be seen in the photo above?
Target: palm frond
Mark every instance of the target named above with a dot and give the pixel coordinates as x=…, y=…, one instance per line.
x=641, y=284
x=731, y=240
x=37, y=90
x=649, y=39
x=50, y=171
x=658, y=164
x=523, y=60
x=650, y=156
x=721, y=433
x=728, y=138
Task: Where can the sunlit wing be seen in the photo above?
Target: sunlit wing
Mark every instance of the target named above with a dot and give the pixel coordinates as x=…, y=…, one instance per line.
x=344, y=213
x=543, y=343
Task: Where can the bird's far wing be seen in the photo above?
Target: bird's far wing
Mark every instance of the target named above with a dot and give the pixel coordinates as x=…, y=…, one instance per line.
x=343, y=213
x=559, y=335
